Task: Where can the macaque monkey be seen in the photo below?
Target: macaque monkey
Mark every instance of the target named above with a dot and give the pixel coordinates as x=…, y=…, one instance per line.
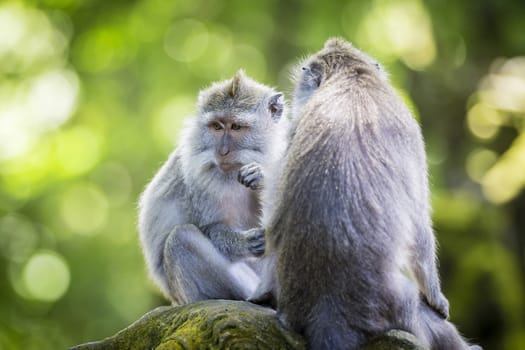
x=199, y=215
x=352, y=214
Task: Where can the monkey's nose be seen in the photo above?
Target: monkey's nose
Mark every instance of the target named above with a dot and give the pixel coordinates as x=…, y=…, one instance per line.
x=224, y=151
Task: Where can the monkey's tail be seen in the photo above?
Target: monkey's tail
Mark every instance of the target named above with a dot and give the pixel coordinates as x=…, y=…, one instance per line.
x=440, y=333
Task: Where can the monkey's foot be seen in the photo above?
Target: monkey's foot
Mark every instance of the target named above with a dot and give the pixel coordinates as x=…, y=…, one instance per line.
x=264, y=299
x=440, y=305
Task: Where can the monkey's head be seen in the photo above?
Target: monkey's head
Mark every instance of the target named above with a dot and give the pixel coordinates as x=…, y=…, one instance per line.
x=337, y=58
x=236, y=121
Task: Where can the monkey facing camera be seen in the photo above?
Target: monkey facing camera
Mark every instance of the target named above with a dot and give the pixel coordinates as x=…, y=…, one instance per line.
x=352, y=214
x=199, y=215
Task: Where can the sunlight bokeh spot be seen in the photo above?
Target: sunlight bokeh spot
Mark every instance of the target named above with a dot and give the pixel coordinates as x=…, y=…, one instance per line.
x=37, y=106
x=504, y=87
x=169, y=120
x=14, y=139
x=78, y=150
x=186, y=40
x=29, y=110
x=84, y=209
x=12, y=27
x=506, y=178
x=46, y=276
x=37, y=94
x=500, y=102
x=52, y=98
x=484, y=121
x=399, y=29
x=478, y=162
x=28, y=39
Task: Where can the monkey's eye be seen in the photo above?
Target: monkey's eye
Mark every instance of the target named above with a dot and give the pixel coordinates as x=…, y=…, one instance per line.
x=236, y=126
x=216, y=126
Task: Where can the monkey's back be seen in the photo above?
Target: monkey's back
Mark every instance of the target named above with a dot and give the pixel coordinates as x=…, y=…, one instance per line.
x=352, y=190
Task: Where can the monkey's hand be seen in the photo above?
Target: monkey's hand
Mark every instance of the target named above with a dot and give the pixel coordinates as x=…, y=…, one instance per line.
x=255, y=241
x=251, y=176
x=439, y=304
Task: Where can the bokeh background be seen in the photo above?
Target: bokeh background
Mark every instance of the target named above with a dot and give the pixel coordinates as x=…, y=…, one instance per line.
x=92, y=98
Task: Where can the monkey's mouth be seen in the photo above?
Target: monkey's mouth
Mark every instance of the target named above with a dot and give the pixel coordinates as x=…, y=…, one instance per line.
x=229, y=167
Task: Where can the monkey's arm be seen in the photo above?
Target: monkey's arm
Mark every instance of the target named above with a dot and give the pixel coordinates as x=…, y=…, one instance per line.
x=235, y=244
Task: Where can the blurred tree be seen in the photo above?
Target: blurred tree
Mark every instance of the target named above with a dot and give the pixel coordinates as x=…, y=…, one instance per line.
x=93, y=95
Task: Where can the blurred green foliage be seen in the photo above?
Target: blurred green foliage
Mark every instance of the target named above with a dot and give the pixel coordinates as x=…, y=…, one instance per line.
x=93, y=94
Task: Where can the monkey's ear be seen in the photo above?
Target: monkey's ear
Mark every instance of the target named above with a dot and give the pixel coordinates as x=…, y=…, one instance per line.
x=236, y=83
x=276, y=106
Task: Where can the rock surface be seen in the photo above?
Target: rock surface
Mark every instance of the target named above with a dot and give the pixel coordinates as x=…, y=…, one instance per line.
x=222, y=324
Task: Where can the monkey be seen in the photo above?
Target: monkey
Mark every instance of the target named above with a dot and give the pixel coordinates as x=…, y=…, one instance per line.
x=199, y=216
x=352, y=221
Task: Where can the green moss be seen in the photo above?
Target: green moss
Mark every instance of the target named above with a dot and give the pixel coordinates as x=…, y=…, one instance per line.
x=395, y=339
x=213, y=324
x=222, y=324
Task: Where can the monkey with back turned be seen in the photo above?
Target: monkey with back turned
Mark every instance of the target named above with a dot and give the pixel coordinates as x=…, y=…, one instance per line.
x=352, y=213
x=198, y=216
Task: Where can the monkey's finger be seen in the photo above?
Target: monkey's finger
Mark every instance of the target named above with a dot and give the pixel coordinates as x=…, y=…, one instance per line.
x=257, y=242
x=251, y=166
x=257, y=236
x=255, y=246
x=257, y=250
x=252, y=174
x=254, y=170
x=244, y=172
x=240, y=176
x=250, y=169
x=244, y=178
x=252, y=180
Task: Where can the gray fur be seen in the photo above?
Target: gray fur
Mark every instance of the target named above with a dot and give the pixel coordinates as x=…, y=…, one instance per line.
x=353, y=212
x=197, y=220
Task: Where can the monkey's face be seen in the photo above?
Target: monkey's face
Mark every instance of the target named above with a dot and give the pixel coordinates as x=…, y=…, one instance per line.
x=239, y=136
x=337, y=58
x=228, y=135
x=235, y=125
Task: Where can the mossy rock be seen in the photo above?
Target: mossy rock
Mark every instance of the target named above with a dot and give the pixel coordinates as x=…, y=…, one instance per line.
x=221, y=324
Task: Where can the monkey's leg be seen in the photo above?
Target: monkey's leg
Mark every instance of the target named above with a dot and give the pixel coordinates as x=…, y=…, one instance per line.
x=425, y=270
x=266, y=291
x=195, y=270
